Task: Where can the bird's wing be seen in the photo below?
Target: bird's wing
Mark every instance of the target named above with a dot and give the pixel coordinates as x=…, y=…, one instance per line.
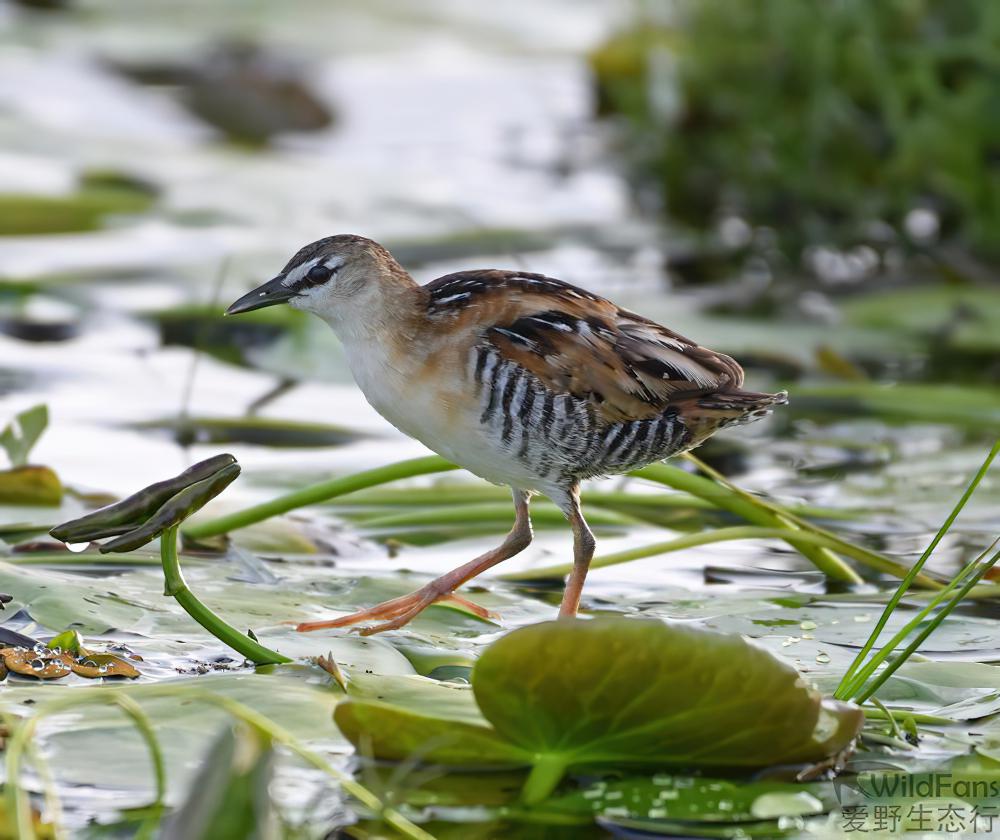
x=578, y=343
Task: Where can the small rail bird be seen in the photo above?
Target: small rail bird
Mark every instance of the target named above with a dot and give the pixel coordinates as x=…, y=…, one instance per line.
x=519, y=378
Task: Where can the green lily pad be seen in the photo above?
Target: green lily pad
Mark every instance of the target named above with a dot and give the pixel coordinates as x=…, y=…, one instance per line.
x=613, y=692
x=30, y=486
x=395, y=733
x=665, y=800
x=641, y=691
x=85, y=210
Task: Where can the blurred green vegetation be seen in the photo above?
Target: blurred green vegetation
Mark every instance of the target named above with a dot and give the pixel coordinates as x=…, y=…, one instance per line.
x=100, y=194
x=832, y=123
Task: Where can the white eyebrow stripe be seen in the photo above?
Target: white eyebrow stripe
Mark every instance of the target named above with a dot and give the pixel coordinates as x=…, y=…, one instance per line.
x=297, y=273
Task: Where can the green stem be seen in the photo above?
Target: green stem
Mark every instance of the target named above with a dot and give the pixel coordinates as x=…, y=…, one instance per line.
x=283, y=736
x=19, y=805
x=145, y=727
x=17, y=802
x=911, y=576
x=499, y=512
x=873, y=713
x=738, y=532
x=748, y=509
x=175, y=585
x=545, y=774
x=316, y=493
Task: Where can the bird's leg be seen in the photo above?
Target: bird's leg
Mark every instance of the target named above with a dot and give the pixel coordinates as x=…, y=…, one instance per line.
x=400, y=611
x=583, y=553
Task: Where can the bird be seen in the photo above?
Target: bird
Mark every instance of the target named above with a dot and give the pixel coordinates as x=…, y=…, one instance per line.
x=519, y=378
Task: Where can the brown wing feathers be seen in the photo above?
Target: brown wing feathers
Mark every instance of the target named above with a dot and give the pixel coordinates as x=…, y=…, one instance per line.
x=574, y=342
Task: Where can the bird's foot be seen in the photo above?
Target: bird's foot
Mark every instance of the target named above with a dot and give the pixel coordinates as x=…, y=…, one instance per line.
x=399, y=611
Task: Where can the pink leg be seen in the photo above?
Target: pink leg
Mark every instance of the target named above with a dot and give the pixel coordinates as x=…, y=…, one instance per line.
x=583, y=553
x=400, y=611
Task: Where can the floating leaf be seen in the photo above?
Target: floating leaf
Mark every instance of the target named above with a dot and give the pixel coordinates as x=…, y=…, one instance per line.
x=95, y=665
x=30, y=663
x=86, y=209
x=663, y=801
x=613, y=692
x=617, y=691
x=53, y=662
x=397, y=734
x=30, y=486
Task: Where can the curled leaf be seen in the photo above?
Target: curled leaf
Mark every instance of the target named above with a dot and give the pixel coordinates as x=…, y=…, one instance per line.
x=123, y=516
x=175, y=510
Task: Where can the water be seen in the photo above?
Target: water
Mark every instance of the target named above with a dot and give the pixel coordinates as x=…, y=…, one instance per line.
x=462, y=138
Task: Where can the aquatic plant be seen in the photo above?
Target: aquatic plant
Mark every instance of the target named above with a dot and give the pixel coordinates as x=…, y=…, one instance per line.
x=822, y=122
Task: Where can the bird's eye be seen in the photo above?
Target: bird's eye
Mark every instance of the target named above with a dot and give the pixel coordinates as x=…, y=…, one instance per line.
x=318, y=274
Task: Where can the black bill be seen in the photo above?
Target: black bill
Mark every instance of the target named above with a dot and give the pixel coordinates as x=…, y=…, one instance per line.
x=272, y=292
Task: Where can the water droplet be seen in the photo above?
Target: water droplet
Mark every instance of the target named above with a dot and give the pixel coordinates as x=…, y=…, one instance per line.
x=37, y=665
x=78, y=547
x=103, y=669
x=808, y=625
x=822, y=657
x=861, y=619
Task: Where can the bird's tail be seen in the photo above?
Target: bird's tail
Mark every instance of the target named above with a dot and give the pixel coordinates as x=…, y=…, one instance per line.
x=707, y=413
x=740, y=406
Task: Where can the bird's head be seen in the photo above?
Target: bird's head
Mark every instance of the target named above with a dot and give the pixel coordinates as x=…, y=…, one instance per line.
x=336, y=278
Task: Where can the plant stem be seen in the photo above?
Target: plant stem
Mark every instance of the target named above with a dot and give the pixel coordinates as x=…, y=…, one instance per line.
x=145, y=727
x=745, y=506
x=738, y=532
x=19, y=806
x=546, y=773
x=750, y=510
x=915, y=569
x=930, y=720
x=283, y=736
x=176, y=586
x=316, y=493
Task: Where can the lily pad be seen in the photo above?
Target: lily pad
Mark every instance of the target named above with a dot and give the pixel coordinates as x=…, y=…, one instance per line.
x=87, y=209
x=30, y=486
x=641, y=691
x=613, y=692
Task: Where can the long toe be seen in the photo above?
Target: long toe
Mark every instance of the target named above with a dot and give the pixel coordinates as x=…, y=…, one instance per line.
x=471, y=606
x=387, y=609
